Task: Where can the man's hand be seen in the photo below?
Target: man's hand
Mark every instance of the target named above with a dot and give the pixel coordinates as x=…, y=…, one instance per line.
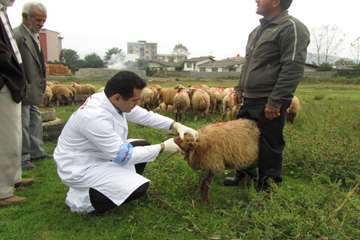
x=182, y=129
x=271, y=112
x=170, y=146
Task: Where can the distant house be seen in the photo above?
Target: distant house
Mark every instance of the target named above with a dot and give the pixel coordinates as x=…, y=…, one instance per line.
x=192, y=64
x=171, y=58
x=162, y=66
x=225, y=65
x=310, y=67
x=51, y=44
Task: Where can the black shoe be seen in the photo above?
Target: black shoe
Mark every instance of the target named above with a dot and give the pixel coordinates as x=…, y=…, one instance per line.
x=27, y=165
x=41, y=157
x=267, y=184
x=239, y=177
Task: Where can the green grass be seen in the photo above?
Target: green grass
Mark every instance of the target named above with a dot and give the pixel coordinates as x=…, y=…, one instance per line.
x=319, y=198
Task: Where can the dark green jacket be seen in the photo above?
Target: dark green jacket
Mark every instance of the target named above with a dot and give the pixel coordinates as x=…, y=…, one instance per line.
x=33, y=64
x=275, y=58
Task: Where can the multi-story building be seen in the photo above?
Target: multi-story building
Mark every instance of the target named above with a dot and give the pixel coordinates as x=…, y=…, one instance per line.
x=51, y=44
x=142, y=50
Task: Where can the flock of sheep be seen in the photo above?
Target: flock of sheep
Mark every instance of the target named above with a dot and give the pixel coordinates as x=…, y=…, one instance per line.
x=64, y=94
x=199, y=100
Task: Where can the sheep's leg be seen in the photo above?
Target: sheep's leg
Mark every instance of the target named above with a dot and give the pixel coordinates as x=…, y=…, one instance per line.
x=291, y=117
x=205, y=187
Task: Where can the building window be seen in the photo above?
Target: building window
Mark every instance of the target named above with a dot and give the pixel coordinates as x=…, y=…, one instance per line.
x=188, y=65
x=202, y=69
x=214, y=69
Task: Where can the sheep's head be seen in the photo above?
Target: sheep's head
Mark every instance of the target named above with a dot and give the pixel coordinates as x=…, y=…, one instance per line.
x=188, y=146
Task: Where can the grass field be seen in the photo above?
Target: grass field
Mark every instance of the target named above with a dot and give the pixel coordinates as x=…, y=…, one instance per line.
x=319, y=198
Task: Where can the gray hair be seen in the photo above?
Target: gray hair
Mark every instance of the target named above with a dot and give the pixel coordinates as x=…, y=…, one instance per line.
x=28, y=7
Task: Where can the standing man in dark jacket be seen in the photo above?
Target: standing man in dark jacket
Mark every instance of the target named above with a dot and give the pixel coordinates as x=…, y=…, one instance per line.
x=275, y=58
x=12, y=90
x=27, y=38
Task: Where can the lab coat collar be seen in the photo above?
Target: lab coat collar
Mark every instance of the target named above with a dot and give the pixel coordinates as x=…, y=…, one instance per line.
x=109, y=106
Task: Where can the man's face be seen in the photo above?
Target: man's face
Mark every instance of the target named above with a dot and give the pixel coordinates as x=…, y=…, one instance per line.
x=36, y=20
x=266, y=7
x=128, y=105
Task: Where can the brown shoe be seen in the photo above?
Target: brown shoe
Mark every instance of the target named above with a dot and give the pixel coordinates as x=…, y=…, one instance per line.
x=13, y=200
x=24, y=182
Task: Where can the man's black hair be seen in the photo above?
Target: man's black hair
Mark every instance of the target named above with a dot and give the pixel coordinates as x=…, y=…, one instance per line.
x=285, y=4
x=124, y=83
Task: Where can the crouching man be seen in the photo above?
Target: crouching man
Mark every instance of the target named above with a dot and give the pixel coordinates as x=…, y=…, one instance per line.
x=94, y=157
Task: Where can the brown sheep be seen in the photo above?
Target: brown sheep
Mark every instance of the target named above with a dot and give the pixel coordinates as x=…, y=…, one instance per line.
x=181, y=102
x=167, y=96
x=47, y=96
x=147, y=96
x=232, y=144
x=62, y=95
x=213, y=98
x=231, y=105
x=156, y=99
x=84, y=89
x=200, y=102
x=293, y=109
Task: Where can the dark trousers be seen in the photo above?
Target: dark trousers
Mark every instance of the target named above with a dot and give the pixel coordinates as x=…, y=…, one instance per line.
x=102, y=204
x=271, y=140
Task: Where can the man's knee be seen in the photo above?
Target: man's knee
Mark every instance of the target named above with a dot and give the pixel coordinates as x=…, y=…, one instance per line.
x=139, y=192
x=100, y=202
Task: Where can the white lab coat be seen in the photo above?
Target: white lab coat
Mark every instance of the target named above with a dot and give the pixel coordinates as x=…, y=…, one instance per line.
x=94, y=136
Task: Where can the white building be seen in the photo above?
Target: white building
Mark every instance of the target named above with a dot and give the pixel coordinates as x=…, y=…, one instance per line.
x=225, y=65
x=142, y=50
x=192, y=64
x=51, y=44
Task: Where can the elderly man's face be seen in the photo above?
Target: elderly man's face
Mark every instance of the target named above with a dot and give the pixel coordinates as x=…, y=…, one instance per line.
x=36, y=20
x=7, y=3
x=266, y=7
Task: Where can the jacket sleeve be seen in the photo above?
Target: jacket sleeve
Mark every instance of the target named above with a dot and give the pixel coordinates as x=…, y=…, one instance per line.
x=8, y=71
x=293, y=43
x=147, y=118
x=101, y=133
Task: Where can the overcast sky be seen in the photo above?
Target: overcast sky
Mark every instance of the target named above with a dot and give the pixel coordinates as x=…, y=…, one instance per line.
x=206, y=27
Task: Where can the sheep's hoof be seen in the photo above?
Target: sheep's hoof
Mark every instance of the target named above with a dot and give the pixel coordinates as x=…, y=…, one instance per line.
x=205, y=200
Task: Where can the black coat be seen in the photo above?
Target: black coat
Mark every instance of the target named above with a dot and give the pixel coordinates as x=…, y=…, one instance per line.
x=11, y=73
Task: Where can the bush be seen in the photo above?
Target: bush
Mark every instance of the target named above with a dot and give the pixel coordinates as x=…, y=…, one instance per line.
x=324, y=67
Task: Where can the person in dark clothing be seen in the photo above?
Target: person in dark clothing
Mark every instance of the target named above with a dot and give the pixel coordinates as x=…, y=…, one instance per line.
x=275, y=58
x=12, y=91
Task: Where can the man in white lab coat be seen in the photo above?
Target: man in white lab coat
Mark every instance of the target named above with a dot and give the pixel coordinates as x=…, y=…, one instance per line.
x=94, y=156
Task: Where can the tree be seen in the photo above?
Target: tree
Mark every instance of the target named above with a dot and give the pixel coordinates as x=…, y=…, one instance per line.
x=355, y=47
x=327, y=41
x=344, y=62
x=70, y=58
x=142, y=64
x=180, y=49
x=113, y=56
x=93, y=61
